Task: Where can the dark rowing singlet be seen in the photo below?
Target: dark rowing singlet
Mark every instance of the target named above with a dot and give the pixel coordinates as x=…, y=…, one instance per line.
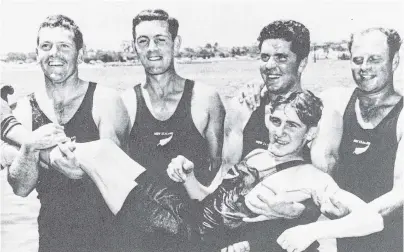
x=73, y=214
x=366, y=169
x=256, y=134
x=153, y=143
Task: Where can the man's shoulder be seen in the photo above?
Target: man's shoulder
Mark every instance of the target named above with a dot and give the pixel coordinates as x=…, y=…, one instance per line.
x=237, y=113
x=103, y=92
x=203, y=90
x=336, y=98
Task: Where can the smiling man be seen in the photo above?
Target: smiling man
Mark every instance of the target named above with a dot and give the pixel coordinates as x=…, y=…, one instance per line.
x=73, y=215
x=371, y=166
x=170, y=115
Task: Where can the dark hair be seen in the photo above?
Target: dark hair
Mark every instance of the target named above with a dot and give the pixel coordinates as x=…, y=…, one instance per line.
x=289, y=30
x=151, y=15
x=308, y=107
x=393, y=39
x=66, y=23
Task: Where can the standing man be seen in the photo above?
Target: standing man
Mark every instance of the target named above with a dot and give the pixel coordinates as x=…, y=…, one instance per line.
x=73, y=215
x=371, y=166
x=170, y=115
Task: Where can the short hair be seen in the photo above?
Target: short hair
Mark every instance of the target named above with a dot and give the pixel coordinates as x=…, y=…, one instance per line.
x=308, y=107
x=393, y=39
x=66, y=23
x=288, y=30
x=151, y=15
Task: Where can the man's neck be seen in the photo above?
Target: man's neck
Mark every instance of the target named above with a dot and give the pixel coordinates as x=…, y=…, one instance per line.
x=373, y=100
x=295, y=88
x=163, y=84
x=63, y=92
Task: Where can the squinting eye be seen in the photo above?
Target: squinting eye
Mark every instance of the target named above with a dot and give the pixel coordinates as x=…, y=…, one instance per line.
x=46, y=47
x=375, y=60
x=275, y=121
x=142, y=41
x=281, y=58
x=264, y=57
x=358, y=61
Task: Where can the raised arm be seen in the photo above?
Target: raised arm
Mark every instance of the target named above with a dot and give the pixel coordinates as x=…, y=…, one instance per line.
x=324, y=148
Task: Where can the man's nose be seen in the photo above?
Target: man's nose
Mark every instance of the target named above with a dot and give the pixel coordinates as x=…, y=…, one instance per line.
x=152, y=45
x=270, y=63
x=280, y=131
x=365, y=65
x=54, y=50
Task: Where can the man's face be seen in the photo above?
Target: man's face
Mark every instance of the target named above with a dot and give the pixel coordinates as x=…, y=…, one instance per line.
x=57, y=53
x=287, y=134
x=370, y=62
x=279, y=66
x=154, y=46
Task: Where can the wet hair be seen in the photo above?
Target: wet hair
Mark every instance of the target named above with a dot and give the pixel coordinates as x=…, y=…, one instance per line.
x=393, y=39
x=151, y=15
x=66, y=23
x=291, y=31
x=308, y=107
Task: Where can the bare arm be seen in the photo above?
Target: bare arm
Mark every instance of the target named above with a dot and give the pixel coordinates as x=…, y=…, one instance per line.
x=23, y=171
x=324, y=149
x=362, y=220
x=111, y=115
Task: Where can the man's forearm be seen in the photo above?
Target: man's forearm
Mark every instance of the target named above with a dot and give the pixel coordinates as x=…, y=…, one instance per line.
x=357, y=223
x=388, y=202
x=23, y=171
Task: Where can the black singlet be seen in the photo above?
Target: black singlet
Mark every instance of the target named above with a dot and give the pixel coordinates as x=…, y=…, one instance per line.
x=366, y=169
x=153, y=143
x=73, y=215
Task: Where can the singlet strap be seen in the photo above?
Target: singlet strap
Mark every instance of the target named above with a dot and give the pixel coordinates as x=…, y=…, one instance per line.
x=289, y=164
x=185, y=102
x=140, y=101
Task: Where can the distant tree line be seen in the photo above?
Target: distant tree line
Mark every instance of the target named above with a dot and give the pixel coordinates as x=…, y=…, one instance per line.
x=127, y=54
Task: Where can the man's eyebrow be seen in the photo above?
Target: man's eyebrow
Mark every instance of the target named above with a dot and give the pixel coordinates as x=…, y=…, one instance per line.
x=293, y=122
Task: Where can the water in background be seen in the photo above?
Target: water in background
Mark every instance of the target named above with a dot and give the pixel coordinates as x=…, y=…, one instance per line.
x=18, y=215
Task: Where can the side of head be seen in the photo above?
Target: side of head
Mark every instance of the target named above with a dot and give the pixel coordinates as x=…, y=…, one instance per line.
x=155, y=40
x=59, y=48
x=374, y=58
x=293, y=122
x=284, y=47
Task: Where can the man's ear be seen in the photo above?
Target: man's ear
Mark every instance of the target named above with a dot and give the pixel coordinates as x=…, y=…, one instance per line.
x=302, y=66
x=396, y=61
x=80, y=57
x=311, y=133
x=177, y=44
x=37, y=57
x=134, y=46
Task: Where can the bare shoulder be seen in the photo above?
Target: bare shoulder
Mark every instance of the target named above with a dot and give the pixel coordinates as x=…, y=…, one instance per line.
x=204, y=94
x=105, y=93
x=336, y=99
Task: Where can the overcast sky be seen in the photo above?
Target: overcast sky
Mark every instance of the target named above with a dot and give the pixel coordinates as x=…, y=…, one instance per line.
x=230, y=22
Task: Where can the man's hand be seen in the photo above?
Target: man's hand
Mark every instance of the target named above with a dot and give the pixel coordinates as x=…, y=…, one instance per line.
x=331, y=207
x=180, y=169
x=263, y=201
x=243, y=246
x=64, y=160
x=252, y=92
x=297, y=239
x=45, y=137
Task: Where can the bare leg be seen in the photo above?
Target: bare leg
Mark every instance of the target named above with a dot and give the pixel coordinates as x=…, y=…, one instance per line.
x=110, y=168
